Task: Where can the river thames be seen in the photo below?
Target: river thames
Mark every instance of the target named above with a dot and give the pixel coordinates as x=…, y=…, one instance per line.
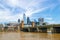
x=28, y=36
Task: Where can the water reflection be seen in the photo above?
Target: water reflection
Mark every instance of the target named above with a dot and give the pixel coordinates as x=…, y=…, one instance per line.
x=28, y=36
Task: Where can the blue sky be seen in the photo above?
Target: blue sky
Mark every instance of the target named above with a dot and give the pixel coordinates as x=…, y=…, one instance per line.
x=11, y=10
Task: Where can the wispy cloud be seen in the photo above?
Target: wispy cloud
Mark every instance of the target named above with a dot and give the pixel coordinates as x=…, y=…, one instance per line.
x=29, y=12
x=14, y=9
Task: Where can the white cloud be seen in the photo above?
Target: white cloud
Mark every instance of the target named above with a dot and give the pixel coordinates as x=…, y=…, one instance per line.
x=5, y=16
x=48, y=18
x=31, y=7
x=51, y=22
x=12, y=2
x=30, y=12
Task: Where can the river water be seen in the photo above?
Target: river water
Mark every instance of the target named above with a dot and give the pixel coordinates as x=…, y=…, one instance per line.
x=28, y=36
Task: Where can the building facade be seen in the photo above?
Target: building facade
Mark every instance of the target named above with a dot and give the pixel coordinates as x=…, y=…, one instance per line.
x=41, y=21
x=24, y=19
x=28, y=20
x=19, y=21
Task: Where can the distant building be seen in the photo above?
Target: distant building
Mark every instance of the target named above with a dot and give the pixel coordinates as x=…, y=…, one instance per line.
x=35, y=21
x=28, y=20
x=41, y=21
x=24, y=19
x=18, y=20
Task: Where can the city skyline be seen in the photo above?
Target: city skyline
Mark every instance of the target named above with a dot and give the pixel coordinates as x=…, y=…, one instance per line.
x=12, y=10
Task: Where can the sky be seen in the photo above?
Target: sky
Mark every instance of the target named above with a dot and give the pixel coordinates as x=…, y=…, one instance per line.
x=12, y=10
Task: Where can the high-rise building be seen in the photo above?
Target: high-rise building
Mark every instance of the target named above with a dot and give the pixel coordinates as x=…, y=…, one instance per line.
x=35, y=20
x=24, y=19
x=28, y=20
x=41, y=20
x=18, y=20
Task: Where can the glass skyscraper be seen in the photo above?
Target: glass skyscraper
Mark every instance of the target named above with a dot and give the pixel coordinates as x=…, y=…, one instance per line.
x=41, y=20
x=28, y=20
x=18, y=20
x=24, y=19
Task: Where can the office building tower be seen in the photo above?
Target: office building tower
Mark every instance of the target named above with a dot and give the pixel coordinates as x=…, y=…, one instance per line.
x=24, y=19
x=28, y=20
x=41, y=20
x=18, y=20
x=35, y=20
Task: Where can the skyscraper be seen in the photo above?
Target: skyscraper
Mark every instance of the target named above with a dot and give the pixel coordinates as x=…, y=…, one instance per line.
x=24, y=19
x=28, y=20
x=41, y=20
x=18, y=20
x=35, y=20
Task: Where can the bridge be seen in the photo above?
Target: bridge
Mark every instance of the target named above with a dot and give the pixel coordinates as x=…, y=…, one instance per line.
x=55, y=28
